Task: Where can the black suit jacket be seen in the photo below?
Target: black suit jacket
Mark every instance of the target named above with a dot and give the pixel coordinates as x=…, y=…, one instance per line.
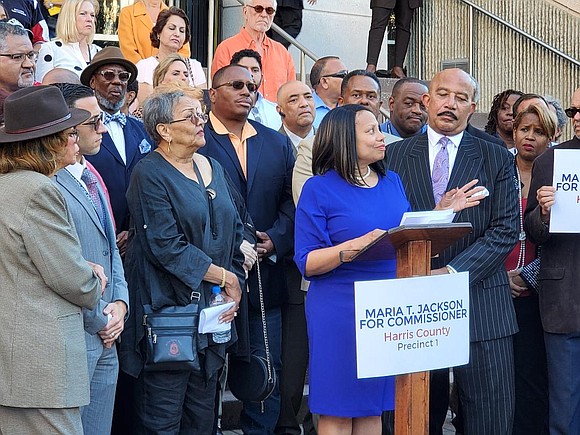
x=390, y=4
x=295, y=4
x=268, y=198
x=559, y=271
x=495, y=221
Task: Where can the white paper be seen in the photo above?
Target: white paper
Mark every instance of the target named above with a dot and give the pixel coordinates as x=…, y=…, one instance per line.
x=411, y=325
x=565, y=213
x=209, y=319
x=427, y=217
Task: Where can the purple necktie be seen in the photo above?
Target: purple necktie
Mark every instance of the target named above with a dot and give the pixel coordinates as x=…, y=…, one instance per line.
x=91, y=181
x=440, y=176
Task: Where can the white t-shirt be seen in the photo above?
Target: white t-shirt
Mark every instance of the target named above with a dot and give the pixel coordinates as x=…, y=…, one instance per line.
x=145, y=68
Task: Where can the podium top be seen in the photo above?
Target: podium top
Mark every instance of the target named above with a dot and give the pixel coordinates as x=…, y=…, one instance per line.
x=384, y=247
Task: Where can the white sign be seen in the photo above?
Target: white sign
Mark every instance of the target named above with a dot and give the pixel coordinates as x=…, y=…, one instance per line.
x=565, y=213
x=411, y=324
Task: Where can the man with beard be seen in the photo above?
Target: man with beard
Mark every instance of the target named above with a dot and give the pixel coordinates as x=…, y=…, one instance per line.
x=17, y=61
x=125, y=142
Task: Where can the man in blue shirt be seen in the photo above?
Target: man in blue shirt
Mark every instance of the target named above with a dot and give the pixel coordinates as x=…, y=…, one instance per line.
x=326, y=77
x=408, y=114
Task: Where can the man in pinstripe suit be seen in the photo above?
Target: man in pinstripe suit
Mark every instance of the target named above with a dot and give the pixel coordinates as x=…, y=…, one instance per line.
x=486, y=384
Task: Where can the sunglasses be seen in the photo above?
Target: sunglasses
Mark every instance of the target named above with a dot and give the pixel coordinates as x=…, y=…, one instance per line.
x=259, y=9
x=95, y=121
x=238, y=85
x=194, y=118
x=339, y=75
x=571, y=111
x=109, y=75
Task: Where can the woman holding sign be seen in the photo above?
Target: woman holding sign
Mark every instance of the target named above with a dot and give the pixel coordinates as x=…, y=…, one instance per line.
x=341, y=208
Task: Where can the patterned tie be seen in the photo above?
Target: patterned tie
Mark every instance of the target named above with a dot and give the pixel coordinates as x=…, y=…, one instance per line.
x=256, y=114
x=121, y=118
x=440, y=176
x=91, y=181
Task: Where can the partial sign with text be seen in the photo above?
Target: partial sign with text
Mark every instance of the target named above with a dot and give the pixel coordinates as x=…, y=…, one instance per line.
x=565, y=213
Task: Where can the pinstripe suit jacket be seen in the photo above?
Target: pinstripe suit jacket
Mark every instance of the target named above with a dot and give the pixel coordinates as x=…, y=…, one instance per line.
x=494, y=221
x=98, y=245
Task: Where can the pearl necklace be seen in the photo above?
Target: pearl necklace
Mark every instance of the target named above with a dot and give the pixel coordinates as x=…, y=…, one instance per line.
x=365, y=176
x=522, y=235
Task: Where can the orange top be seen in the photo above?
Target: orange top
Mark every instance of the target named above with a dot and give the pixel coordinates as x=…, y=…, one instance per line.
x=277, y=64
x=239, y=143
x=134, y=28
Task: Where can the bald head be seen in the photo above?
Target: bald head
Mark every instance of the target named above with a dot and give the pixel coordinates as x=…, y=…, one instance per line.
x=60, y=75
x=296, y=107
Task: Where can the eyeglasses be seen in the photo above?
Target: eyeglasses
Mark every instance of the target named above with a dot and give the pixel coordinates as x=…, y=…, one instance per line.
x=571, y=111
x=110, y=75
x=339, y=75
x=259, y=9
x=73, y=134
x=239, y=85
x=96, y=121
x=194, y=118
x=19, y=57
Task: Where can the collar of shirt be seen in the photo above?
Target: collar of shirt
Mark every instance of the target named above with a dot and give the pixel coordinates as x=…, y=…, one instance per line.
x=318, y=103
x=434, y=147
x=250, y=41
x=247, y=131
x=388, y=127
x=294, y=138
x=76, y=170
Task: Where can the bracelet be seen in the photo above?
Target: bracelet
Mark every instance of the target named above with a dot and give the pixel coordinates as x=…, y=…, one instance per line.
x=223, y=283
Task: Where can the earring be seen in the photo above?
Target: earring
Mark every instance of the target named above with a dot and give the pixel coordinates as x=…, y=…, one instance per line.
x=169, y=146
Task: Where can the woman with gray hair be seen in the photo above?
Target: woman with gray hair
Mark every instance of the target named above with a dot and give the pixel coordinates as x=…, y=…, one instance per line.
x=186, y=238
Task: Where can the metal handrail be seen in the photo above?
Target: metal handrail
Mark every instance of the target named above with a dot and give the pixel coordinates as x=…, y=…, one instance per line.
x=516, y=29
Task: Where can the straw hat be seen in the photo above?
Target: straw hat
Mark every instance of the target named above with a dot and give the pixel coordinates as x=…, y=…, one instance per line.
x=38, y=111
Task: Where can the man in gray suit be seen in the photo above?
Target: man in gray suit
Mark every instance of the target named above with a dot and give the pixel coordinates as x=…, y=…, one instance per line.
x=455, y=157
x=297, y=110
x=87, y=204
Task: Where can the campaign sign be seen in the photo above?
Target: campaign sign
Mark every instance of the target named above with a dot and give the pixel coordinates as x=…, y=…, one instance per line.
x=411, y=325
x=565, y=213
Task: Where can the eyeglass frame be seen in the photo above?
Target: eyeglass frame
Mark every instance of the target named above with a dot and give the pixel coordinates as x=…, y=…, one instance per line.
x=95, y=121
x=198, y=116
x=269, y=10
x=339, y=75
x=116, y=73
x=572, y=110
x=231, y=83
x=31, y=56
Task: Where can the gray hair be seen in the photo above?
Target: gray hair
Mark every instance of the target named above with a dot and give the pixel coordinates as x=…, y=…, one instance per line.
x=10, y=29
x=249, y=3
x=158, y=109
x=476, y=89
x=562, y=119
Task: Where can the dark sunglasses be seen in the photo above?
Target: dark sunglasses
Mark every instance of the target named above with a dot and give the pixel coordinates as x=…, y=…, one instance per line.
x=239, y=85
x=109, y=75
x=571, y=111
x=259, y=9
x=339, y=75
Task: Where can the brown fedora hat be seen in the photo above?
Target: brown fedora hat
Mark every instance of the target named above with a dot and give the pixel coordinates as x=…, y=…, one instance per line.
x=38, y=111
x=108, y=56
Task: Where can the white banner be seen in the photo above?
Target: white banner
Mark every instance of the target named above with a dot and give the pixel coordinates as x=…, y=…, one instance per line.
x=411, y=324
x=565, y=213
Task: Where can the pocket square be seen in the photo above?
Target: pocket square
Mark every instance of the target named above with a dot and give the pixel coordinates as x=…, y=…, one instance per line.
x=144, y=147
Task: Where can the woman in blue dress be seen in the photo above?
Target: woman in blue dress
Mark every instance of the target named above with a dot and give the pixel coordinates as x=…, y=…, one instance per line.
x=349, y=202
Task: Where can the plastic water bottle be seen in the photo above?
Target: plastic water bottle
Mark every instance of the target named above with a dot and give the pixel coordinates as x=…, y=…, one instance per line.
x=218, y=299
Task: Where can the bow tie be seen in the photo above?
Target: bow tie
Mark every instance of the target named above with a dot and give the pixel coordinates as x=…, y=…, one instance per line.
x=119, y=117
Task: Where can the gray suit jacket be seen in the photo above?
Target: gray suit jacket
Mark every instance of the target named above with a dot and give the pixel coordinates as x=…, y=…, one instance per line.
x=98, y=245
x=495, y=221
x=44, y=282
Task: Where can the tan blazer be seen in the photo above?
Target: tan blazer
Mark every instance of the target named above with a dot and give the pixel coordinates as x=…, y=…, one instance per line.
x=134, y=29
x=44, y=282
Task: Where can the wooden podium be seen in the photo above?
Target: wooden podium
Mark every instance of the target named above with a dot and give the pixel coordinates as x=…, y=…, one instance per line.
x=413, y=246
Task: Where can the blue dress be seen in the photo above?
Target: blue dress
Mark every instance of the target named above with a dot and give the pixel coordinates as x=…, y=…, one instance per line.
x=331, y=211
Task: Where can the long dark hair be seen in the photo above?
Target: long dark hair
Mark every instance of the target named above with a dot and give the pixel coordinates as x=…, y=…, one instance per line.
x=498, y=101
x=335, y=145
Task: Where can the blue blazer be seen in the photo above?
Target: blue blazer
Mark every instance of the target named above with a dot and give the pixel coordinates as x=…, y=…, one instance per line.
x=116, y=174
x=268, y=198
x=495, y=223
x=98, y=246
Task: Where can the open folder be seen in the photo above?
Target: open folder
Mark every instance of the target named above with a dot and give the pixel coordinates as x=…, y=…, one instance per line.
x=209, y=319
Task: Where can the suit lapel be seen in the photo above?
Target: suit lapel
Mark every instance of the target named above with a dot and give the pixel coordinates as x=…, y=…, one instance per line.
x=110, y=147
x=421, y=192
x=226, y=146
x=132, y=143
x=68, y=182
x=467, y=163
x=254, y=151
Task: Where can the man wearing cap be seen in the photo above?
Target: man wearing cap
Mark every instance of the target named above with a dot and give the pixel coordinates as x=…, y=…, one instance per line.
x=125, y=142
x=87, y=205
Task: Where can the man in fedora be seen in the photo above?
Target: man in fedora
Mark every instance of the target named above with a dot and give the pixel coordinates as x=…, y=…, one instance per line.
x=126, y=141
x=87, y=205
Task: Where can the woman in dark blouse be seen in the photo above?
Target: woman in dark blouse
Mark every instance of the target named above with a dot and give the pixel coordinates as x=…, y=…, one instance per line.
x=187, y=235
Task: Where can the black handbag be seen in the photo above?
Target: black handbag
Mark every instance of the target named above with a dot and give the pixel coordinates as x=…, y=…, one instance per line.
x=171, y=337
x=253, y=381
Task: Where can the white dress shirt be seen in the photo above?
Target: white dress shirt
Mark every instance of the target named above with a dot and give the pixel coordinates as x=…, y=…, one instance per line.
x=434, y=147
x=116, y=132
x=295, y=139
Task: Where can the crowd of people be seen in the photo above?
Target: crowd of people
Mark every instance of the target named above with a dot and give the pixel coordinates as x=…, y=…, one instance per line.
x=133, y=188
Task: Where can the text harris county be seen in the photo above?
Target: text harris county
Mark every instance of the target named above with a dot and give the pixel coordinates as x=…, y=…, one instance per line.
x=389, y=317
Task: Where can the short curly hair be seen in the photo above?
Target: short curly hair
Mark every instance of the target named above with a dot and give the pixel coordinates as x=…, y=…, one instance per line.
x=164, y=15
